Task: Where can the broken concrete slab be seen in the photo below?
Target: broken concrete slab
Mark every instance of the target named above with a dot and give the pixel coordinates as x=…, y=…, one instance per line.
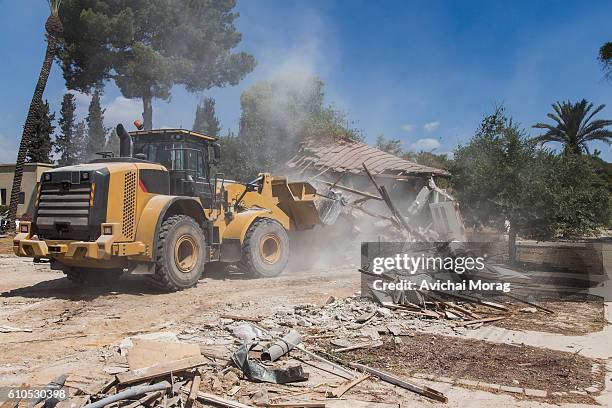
x=514, y=390
x=146, y=353
x=536, y=393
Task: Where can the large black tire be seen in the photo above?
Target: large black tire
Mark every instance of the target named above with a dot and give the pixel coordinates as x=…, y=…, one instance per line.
x=265, y=250
x=180, y=253
x=92, y=277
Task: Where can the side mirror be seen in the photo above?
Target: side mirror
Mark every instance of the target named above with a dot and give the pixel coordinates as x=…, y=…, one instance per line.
x=216, y=147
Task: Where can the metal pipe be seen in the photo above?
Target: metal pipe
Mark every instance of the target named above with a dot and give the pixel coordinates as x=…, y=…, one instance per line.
x=125, y=142
x=129, y=393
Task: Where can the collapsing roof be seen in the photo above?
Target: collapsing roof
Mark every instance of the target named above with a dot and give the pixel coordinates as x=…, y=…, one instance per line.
x=349, y=156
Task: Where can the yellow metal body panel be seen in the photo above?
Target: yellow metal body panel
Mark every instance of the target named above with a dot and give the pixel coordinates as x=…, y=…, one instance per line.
x=148, y=220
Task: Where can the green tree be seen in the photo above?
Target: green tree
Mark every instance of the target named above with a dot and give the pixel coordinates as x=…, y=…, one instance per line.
x=148, y=46
x=439, y=161
x=574, y=127
x=277, y=115
x=64, y=141
x=583, y=200
x=53, y=28
x=206, y=121
x=393, y=146
x=80, y=142
x=96, y=135
x=39, y=145
x=112, y=143
x=499, y=178
x=605, y=57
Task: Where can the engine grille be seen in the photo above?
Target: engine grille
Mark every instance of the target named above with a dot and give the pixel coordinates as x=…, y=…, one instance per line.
x=63, y=212
x=129, y=205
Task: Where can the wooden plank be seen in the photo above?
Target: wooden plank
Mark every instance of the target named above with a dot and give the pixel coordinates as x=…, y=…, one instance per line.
x=352, y=190
x=474, y=299
x=147, y=399
x=11, y=329
x=485, y=320
x=340, y=391
x=369, y=344
x=245, y=318
x=193, y=392
x=160, y=370
x=518, y=299
x=391, y=379
x=206, y=397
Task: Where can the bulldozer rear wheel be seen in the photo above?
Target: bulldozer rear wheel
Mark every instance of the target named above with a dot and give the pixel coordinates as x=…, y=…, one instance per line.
x=265, y=250
x=180, y=253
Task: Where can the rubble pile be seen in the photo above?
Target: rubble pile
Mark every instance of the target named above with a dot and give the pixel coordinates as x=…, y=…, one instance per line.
x=292, y=358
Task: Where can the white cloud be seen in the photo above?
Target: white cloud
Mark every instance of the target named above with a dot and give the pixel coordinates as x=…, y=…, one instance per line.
x=123, y=110
x=431, y=126
x=407, y=127
x=426, y=144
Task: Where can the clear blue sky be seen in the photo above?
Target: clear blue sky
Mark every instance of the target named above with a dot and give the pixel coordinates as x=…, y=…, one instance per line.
x=425, y=72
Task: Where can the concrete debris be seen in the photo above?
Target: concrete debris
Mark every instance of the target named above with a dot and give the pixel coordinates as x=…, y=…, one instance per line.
x=246, y=333
x=128, y=342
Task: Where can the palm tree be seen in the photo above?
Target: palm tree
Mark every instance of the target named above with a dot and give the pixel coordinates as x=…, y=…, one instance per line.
x=574, y=128
x=54, y=28
x=605, y=57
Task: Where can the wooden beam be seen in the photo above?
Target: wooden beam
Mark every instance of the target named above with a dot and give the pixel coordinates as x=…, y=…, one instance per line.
x=485, y=320
x=159, y=370
x=206, y=397
x=391, y=379
x=340, y=391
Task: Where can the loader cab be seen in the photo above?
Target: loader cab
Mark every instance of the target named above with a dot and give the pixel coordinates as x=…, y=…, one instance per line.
x=187, y=155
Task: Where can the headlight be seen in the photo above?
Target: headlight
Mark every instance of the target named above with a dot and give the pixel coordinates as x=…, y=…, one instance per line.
x=46, y=176
x=84, y=175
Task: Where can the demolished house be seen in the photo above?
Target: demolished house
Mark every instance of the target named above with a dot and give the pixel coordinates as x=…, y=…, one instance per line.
x=358, y=172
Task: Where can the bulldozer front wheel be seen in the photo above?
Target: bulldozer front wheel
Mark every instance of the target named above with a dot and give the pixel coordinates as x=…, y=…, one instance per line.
x=180, y=253
x=265, y=250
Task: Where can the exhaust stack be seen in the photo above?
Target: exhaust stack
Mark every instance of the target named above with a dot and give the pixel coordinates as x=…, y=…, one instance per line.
x=125, y=142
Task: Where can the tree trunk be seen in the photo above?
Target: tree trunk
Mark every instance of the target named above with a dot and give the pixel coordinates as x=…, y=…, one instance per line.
x=512, y=243
x=28, y=128
x=147, y=114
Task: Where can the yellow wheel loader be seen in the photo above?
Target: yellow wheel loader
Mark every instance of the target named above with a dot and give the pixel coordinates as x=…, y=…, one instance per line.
x=156, y=210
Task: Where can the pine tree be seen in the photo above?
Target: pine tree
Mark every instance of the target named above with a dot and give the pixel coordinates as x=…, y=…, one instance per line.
x=39, y=145
x=64, y=143
x=80, y=142
x=112, y=143
x=205, y=120
x=96, y=135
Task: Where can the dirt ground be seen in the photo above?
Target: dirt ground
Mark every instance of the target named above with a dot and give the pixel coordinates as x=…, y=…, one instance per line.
x=6, y=245
x=504, y=364
x=75, y=330
x=569, y=318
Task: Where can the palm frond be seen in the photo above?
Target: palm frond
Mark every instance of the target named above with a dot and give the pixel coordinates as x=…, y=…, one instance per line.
x=543, y=126
x=602, y=135
x=595, y=112
x=54, y=6
x=594, y=126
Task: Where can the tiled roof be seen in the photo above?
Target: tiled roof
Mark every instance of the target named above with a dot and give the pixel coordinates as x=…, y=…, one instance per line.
x=349, y=155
